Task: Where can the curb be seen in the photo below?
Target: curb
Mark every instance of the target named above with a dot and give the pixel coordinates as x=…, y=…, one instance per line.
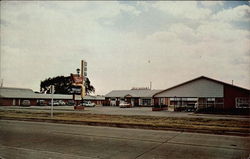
x=133, y=126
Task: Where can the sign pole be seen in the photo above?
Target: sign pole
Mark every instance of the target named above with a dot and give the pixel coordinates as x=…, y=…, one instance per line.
x=52, y=100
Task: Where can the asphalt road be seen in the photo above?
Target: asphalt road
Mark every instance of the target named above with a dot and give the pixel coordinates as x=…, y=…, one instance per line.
x=29, y=140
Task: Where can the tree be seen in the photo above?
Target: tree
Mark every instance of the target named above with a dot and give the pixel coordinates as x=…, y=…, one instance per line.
x=63, y=85
x=88, y=87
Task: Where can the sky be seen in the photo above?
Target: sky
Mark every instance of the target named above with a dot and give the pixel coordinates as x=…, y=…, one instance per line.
x=126, y=43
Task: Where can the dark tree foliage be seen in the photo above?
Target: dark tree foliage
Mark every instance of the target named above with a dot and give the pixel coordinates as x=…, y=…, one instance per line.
x=62, y=85
x=88, y=87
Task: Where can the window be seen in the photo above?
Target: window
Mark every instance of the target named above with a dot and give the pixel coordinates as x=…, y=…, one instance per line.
x=242, y=102
x=146, y=102
x=210, y=99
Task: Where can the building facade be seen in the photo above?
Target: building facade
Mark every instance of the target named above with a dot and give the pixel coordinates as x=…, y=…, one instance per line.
x=136, y=97
x=204, y=93
x=22, y=96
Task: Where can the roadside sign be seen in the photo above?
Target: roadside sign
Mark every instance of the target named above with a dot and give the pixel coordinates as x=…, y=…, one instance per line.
x=75, y=90
x=77, y=79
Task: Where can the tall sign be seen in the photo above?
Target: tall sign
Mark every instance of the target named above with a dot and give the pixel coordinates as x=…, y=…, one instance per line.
x=84, y=68
x=78, y=81
x=84, y=75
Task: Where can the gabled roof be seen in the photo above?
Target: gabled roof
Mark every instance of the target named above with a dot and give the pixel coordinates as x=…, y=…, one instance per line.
x=23, y=93
x=147, y=93
x=89, y=97
x=198, y=78
x=8, y=92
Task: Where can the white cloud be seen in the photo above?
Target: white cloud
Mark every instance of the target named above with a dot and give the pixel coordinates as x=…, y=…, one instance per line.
x=44, y=39
x=221, y=31
x=183, y=9
x=217, y=48
x=239, y=13
x=211, y=3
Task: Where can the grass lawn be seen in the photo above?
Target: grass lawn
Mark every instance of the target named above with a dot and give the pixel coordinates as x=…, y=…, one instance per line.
x=215, y=125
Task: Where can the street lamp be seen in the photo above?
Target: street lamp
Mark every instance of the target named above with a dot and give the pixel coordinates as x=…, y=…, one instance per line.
x=78, y=71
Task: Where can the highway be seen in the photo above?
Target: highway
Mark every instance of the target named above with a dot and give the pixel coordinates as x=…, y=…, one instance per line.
x=38, y=140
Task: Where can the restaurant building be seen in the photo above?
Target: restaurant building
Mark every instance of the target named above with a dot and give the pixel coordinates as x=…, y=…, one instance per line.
x=203, y=93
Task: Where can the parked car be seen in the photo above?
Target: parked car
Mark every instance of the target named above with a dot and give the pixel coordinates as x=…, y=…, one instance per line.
x=87, y=104
x=55, y=103
x=61, y=102
x=25, y=103
x=190, y=109
x=41, y=103
x=125, y=105
x=70, y=103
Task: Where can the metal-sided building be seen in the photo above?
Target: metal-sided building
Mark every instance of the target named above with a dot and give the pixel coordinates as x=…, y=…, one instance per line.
x=136, y=97
x=204, y=92
x=16, y=97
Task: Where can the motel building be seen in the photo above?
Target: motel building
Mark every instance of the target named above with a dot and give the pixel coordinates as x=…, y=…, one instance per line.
x=135, y=96
x=10, y=96
x=204, y=93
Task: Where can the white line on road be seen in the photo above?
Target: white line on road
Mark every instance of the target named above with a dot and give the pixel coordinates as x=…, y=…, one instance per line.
x=157, y=146
x=50, y=153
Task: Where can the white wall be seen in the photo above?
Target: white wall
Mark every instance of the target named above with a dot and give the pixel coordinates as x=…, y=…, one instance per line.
x=197, y=88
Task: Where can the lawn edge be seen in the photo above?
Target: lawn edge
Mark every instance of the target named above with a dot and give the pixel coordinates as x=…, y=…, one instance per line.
x=128, y=125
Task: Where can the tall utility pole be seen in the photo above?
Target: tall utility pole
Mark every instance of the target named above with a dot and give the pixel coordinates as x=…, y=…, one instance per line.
x=150, y=82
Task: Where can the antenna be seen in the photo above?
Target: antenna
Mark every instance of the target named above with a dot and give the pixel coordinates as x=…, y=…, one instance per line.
x=150, y=87
x=232, y=82
x=1, y=82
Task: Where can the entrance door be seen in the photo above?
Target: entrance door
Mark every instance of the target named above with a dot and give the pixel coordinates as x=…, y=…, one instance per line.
x=136, y=102
x=128, y=100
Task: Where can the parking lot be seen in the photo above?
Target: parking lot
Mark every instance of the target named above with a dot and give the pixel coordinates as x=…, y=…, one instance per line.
x=110, y=110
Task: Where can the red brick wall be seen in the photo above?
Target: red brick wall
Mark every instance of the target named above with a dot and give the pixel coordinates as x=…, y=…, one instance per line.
x=9, y=102
x=6, y=102
x=106, y=102
x=156, y=101
x=33, y=102
x=230, y=93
